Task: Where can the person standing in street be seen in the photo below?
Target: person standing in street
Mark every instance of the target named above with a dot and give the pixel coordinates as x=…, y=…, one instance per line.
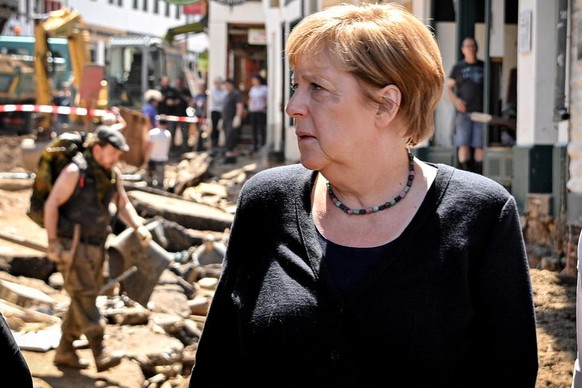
x=169, y=96
x=181, y=110
x=232, y=115
x=64, y=98
x=465, y=91
x=258, y=97
x=149, y=109
x=157, y=150
x=170, y=106
x=200, y=102
x=362, y=265
x=217, y=97
x=77, y=221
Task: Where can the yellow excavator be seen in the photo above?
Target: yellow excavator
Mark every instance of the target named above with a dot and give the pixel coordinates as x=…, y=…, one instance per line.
x=88, y=79
x=61, y=23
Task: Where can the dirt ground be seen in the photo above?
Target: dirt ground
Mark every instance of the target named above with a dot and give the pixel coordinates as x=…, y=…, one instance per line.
x=555, y=295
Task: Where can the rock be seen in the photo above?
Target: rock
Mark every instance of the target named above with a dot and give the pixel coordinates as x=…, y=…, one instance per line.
x=169, y=298
x=150, y=349
x=22, y=295
x=199, y=305
x=208, y=283
x=186, y=213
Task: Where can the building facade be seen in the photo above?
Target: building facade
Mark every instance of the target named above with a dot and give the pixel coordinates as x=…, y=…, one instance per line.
x=527, y=46
x=105, y=18
x=232, y=43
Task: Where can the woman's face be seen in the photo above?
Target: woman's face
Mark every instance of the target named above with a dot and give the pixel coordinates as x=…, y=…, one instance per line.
x=334, y=123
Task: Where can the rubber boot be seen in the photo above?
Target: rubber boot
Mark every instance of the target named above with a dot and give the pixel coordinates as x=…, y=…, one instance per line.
x=67, y=356
x=465, y=165
x=103, y=359
x=478, y=167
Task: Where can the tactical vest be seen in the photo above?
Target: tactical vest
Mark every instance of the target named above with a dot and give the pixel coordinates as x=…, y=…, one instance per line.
x=89, y=207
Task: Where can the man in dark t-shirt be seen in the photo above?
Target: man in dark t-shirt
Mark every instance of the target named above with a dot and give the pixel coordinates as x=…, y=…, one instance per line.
x=465, y=91
x=170, y=106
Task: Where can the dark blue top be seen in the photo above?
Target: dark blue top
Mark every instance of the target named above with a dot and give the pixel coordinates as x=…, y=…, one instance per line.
x=450, y=304
x=151, y=112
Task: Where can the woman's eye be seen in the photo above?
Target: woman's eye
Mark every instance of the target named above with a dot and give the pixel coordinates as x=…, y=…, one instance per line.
x=312, y=86
x=315, y=86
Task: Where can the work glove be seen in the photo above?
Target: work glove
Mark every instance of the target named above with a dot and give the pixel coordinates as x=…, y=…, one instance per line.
x=57, y=253
x=144, y=235
x=236, y=122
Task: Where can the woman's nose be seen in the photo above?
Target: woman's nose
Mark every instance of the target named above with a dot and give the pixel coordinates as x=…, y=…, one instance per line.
x=294, y=107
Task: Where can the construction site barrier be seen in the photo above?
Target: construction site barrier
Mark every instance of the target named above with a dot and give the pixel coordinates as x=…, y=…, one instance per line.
x=76, y=111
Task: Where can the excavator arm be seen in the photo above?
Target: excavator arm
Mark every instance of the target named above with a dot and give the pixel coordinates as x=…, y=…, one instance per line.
x=60, y=23
x=88, y=78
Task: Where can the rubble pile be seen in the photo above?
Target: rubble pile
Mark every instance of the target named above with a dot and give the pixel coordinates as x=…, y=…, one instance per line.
x=154, y=317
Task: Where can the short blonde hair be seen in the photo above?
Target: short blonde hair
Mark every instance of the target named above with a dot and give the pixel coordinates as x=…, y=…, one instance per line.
x=153, y=95
x=380, y=45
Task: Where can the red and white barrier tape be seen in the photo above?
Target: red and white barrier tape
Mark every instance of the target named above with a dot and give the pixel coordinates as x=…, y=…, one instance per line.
x=183, y=119
x=77, y=111
x=64, y=110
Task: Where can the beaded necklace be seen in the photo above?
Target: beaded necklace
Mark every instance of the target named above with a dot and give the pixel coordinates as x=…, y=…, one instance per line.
x=377, y=208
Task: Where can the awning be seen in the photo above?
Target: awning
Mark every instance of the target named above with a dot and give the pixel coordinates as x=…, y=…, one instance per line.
x=193, y=28
x=188, y=2
x=182, y=2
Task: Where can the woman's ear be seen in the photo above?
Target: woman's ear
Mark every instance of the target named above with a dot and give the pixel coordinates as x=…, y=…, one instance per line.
x=390, y=102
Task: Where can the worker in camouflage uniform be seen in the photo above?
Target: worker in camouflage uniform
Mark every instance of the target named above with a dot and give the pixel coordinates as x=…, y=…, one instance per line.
x=77, y=220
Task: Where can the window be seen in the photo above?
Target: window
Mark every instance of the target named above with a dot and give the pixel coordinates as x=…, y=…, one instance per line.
x=156, y=7
x=52, y=5
x=145, y=5
x=135, y=5
x=167, y=13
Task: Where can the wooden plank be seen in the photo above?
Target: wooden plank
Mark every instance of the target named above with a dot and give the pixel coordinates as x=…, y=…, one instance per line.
x=22, y=295
x=136, y=135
